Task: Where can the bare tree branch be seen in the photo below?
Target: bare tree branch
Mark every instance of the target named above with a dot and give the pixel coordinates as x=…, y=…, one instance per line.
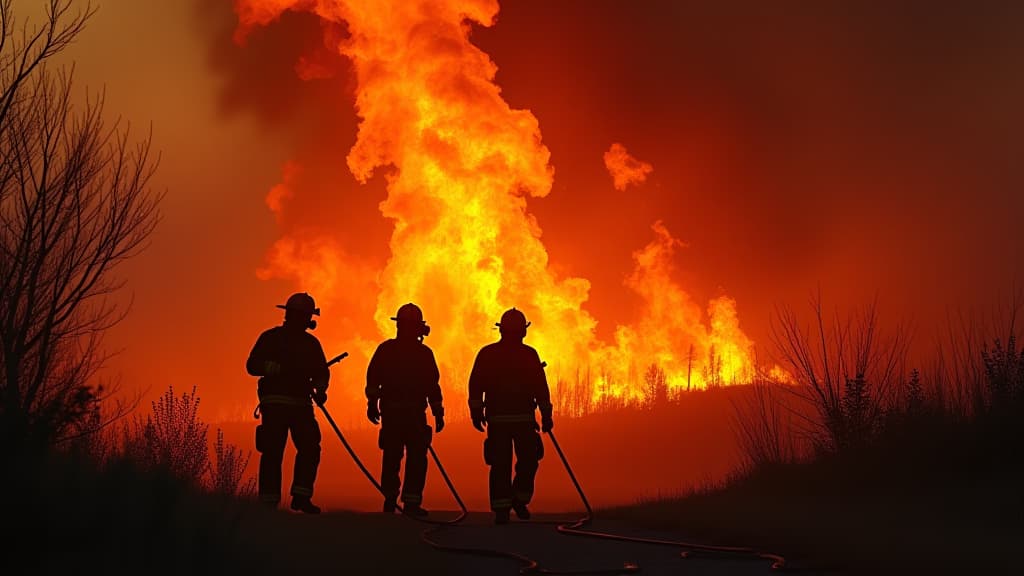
x=75, y=202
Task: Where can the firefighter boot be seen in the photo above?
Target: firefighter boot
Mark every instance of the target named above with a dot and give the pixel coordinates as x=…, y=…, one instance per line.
x=522, y=512
x=501, y=516
x=414, y=510
x=304, y=505
x=389, y=506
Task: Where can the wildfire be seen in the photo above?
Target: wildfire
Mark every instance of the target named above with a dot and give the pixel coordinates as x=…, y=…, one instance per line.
x=461, y=165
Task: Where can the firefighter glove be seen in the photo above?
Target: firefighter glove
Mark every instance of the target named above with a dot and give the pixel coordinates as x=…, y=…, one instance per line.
x=372, y=412
x=320, y=397
x=271, y=368
x=438, y=424
x=546, y=423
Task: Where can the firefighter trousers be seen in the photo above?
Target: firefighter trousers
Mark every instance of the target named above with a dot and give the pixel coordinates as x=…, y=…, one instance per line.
x=504, y=439
x=271, y=437
x=408, y=436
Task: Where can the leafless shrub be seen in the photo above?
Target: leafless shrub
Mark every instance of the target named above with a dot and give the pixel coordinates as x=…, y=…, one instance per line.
x=763, y=425
x=978, y=366
x=229, y=465
x=845, y=368
x=1004, y=369
x=172, y=438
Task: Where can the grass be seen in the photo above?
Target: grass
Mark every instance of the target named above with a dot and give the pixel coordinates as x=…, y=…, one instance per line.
x=921, y=475
x=119, y=519
x=939, y=497
x=932, y=494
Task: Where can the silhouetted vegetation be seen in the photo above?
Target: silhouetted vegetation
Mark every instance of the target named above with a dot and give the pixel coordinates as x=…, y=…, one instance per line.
x=173, y=440
x=867, y=467
x=861, y=463
x=75, y=202
x=86, y=496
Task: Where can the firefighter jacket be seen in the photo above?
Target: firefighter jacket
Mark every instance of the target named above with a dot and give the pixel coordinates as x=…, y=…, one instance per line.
x=508, y=381
x=303, y=366
x=404, y=377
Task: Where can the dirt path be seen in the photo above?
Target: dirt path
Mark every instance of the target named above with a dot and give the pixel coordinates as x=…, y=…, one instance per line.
x=278, y=543
x=554, y=551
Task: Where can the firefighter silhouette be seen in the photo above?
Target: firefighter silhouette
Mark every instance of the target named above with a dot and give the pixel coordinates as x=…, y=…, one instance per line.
x=506, y=386
x=402, y=379
x=293, y=373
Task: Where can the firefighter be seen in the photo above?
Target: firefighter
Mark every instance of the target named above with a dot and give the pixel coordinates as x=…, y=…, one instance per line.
x=292, y=370
x=506, y=385
x=402, y=379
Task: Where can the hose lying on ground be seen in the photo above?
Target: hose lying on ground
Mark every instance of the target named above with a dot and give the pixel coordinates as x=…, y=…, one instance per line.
x=576, y=528
x=530, y=566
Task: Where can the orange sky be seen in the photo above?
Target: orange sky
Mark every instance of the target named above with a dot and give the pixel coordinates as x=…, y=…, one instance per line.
x=863, y=149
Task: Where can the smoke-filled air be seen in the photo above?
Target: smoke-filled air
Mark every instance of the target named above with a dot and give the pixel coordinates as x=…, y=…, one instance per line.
x=740, y=273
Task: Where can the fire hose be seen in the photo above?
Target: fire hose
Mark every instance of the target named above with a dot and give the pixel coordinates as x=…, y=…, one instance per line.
x=690, y=549
x=530, y=566
x=369, y=475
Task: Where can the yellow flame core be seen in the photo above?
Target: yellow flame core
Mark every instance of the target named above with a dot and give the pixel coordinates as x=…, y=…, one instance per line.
x=460, y=164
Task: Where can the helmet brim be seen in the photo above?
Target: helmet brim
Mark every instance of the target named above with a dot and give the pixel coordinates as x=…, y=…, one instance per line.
x=313, y=312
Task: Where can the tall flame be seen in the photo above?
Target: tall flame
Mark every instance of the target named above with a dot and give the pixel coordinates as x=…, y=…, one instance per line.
x=460, y=165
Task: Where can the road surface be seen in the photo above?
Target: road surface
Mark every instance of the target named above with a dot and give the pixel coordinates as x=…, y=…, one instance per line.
x=539, y=547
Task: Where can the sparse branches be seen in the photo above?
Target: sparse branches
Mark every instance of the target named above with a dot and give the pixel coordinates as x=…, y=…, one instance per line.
x=979, y=366
x=229, y=465
x=845, y=368
x=75, y=202
x=24, y=51
x=172, y=438
x=763, y=426
x=1004, y=371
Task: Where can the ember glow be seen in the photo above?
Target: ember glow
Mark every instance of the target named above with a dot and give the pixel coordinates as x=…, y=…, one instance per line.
x=461, y=165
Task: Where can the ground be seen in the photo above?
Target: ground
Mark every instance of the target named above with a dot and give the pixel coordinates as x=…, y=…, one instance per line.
x=374, y=543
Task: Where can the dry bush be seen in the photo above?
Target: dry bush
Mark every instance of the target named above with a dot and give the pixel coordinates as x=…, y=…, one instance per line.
x=845, y=368
x=228, y=466
x=763, y=425
x=174, y=439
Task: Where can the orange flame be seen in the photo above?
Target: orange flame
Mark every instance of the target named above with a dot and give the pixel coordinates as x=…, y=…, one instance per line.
x=624, y=168
x=460, y=165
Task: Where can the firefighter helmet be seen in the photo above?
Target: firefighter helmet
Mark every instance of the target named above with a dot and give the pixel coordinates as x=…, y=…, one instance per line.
x=411, y=315
x=408, y=313
x=301, y=302
x=513, y=319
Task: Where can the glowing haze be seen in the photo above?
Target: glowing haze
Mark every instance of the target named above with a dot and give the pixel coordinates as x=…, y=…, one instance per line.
x=460, y=166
